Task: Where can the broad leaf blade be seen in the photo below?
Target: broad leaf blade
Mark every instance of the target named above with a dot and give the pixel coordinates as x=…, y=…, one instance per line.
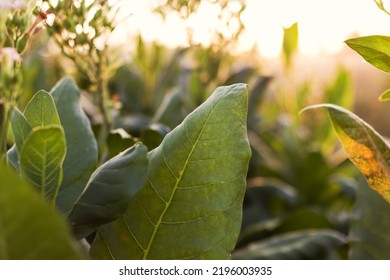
x=119, y=140
x=364, y=146
x=374, y=49
x=171, y=111
x=29, y=228
x=307, y=244
x=41, y=159
x=109, y=190
x=81, y=156
x=41, y=110
x=195, y=189
x=20, y=128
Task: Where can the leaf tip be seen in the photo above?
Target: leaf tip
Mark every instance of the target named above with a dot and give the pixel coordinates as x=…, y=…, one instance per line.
x=313, y=107
x=385, y=96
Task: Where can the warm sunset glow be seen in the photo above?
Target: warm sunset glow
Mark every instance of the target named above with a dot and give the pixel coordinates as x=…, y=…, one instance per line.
x=323, y=25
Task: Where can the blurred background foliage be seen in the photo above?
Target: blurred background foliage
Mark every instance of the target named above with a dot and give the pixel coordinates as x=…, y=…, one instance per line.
x=301, y=191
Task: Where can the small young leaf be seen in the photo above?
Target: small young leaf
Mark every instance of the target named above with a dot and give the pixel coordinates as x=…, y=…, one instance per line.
x=29, y=228
x=364, y=146
x=191, y=206
x=374, y=49
x=41, y=159
x=41, y=110
x=290, y=43
x=385, y=96
x=20, y=128
x=109, y=190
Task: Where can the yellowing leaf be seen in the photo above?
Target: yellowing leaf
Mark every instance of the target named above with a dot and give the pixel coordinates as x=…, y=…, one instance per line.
x=365, y=147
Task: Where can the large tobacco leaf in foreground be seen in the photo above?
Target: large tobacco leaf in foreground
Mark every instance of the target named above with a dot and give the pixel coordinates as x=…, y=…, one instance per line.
x=191, y=206
x=364, y=146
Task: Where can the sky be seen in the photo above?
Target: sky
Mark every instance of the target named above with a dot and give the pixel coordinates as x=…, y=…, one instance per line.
x=324, y=25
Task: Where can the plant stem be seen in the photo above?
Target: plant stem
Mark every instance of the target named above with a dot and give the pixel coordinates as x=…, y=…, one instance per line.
x=3, y=131
x=381, y=6
x=102, y=102
x=9, y=102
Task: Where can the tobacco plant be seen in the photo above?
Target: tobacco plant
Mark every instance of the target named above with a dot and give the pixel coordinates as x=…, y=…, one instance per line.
x=139, y=203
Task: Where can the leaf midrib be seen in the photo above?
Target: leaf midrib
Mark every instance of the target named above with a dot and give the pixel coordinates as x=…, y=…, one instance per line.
x=178, y=179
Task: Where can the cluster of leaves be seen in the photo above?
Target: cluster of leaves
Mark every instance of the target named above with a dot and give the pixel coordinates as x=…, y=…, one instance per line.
x=151, y=198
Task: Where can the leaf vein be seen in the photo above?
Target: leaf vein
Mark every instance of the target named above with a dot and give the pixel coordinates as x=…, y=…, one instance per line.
x=155, y=190
x=132, y=234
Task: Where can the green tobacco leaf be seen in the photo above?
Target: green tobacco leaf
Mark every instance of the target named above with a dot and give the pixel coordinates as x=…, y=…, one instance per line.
x=41, y=159
x=256, y=97
x=290, y=43
x=119, y=140
x=240, y=76
x=20, y=128
x=109, y=190
x=153, y=135
x=81, y=156
x=374, y=49
x=369, y=234
x=29, y=228
x=191, y=206
x=300, y=245
x=128, y=85
x=364, y=146
x=41, y=110
x=171, y=112
x=385, y=96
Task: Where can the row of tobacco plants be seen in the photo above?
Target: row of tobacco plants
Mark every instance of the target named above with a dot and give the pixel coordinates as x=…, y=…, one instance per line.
x=160, y=159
